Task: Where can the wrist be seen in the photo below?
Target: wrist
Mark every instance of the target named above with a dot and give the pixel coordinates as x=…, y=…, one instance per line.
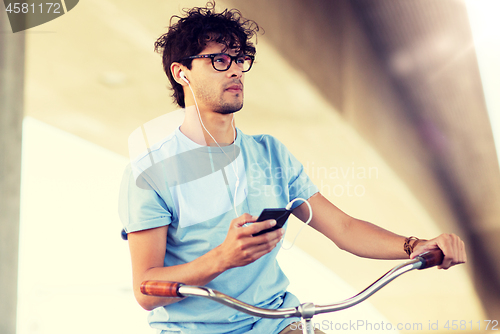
x=410, y=244
x=221, y=265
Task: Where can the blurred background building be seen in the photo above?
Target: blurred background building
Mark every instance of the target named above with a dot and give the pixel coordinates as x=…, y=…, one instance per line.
x=383, y=101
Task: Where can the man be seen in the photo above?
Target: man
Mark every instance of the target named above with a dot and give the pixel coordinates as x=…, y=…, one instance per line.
x=189, y=205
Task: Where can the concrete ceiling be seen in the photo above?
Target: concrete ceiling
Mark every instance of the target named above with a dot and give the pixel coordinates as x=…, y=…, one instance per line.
x=428, y=49
x=425, y=48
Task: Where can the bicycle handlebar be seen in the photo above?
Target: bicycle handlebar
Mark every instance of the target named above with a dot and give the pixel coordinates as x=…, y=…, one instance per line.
x=161, y=288
x=307, y=310
x=431, y=258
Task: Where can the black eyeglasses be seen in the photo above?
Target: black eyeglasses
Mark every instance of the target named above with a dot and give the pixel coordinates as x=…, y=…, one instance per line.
x=222, y=61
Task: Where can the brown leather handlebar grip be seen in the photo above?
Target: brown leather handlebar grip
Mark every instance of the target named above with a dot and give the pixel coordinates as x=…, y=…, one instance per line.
x=161, y=288
x=431, y=258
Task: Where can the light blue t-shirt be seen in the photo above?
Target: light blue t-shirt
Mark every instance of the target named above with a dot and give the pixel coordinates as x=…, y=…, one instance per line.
x=191, y=188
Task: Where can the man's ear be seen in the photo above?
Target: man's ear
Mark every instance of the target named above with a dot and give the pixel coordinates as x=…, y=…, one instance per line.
x=179, y=73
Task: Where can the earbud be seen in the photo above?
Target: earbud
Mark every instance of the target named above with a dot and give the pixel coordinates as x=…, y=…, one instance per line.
x=183, y=77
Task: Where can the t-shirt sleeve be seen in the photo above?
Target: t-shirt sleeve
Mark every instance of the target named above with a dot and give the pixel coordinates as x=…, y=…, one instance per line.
x=299, y=183
x=140, y=206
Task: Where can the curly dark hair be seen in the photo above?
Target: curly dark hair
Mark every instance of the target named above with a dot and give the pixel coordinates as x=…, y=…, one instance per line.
x=189, y=35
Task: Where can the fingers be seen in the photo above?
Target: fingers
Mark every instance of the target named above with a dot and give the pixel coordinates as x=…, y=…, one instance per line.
x=242, y=220
x=253, y=228
x=245, y=249
x=257, y=251
x=272, y=237
x=453, y=249
x=459, y=246
x=451, y=245
x=261, y=226
x=241, y=247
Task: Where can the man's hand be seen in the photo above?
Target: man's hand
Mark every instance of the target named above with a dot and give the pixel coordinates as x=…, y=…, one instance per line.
x=241, y=248
x=451, y=245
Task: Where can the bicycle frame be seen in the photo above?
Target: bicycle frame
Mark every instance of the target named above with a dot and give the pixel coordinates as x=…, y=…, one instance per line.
x=305, y=310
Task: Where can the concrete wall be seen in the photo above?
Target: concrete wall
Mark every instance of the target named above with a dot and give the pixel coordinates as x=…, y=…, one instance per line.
x=11, y=114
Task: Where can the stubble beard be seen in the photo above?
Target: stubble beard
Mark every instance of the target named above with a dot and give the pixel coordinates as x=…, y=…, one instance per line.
x=229, y=108
x=221, y=104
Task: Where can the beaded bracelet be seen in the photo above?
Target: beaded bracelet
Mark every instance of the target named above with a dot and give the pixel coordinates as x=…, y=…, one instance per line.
x=408, y=248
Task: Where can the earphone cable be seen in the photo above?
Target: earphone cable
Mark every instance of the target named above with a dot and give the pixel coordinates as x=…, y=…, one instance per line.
x=234, y=148
x=289, y=207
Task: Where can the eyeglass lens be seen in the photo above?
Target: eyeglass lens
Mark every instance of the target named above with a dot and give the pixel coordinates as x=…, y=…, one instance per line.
x=222, y=62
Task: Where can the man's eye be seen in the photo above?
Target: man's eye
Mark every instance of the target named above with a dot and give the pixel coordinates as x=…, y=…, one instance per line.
x=222, y=59
x=240, y=60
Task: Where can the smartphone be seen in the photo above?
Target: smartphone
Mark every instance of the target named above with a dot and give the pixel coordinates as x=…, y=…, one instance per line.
x=280, y=215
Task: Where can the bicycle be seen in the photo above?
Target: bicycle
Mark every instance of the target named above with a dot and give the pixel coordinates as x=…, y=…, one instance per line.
x=305, y=311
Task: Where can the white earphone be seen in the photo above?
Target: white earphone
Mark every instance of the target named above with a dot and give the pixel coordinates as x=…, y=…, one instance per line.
x=183, y=77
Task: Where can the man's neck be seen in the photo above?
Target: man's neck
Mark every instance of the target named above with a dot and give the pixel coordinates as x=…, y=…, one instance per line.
x=215, y=129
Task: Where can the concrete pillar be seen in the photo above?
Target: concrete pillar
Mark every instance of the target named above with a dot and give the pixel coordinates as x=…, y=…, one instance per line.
x=11, y=115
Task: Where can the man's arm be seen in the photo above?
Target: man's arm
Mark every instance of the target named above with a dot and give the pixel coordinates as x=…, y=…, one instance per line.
x=148, y=247
x=367, y=240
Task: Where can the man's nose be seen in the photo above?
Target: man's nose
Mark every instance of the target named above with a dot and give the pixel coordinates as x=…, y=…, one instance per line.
x=235, y=70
